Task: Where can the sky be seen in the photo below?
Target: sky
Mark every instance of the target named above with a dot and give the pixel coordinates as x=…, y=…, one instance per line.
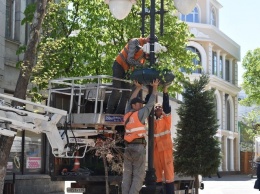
x=240, y=21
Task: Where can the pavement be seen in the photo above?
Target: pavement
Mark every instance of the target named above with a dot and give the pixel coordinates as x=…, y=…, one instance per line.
x=229, y=184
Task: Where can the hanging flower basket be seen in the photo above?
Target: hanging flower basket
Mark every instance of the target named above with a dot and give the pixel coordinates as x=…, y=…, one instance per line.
x=147, y=75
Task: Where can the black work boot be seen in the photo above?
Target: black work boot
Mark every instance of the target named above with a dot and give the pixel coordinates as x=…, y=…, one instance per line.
x=169, y=187
x=159, y=188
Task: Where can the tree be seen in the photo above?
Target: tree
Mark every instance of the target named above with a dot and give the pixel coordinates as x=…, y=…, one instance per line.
x=5, y=145
x=197, y=150
x=83, y=40
x=251, y=77
x=249, y=130
x=39, y=11
x=112, y=155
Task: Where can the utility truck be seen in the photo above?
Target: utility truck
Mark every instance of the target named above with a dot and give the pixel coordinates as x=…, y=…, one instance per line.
x=86, y=143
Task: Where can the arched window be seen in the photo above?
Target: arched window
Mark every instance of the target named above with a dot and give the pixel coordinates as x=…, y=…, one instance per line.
x=228, y=114
x=195, y=61
x=213, y=17
x=192, y=17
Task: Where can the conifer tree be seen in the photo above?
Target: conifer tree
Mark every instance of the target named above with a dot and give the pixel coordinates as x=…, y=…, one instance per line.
x=197, y=151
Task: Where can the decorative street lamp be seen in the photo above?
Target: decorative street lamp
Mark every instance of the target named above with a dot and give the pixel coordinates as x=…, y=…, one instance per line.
x=184, y=7
x=120, y=8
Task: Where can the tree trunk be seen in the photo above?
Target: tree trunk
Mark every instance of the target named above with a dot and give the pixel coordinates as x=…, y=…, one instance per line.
x=106, y=173
x=31, y=51
x=5, y=147
x=196, y=184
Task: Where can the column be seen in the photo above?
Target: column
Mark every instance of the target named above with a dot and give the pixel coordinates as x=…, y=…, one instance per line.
x=231, y=77
x=235, y=73
x=221, y=162
x=223, y=111
x=225, y=154
x=231, y=153
x=210, y=58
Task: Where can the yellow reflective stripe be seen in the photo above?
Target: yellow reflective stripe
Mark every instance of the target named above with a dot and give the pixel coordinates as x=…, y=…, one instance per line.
x=162, y=133
x=134, y=129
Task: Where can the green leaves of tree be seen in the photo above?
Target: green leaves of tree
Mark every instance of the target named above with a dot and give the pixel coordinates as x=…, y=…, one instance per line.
x=82, y=38
x=251, y=77
x=249, y=129
x=29, y=13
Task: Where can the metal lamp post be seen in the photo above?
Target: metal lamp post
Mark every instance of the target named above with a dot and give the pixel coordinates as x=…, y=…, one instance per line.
x=150, y=178
x=184, y=7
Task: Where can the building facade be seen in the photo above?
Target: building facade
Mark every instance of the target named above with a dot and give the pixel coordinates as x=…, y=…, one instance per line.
x=218, y=56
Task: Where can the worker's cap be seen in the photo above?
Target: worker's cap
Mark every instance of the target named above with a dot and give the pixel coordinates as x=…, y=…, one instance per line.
x=157, y=106
x=137, y=100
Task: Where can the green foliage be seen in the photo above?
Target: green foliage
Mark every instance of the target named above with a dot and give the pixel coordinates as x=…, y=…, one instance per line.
x=197, y=150
x=29, y=13
x=249, y=129
x=251, y=77
x=81, y=38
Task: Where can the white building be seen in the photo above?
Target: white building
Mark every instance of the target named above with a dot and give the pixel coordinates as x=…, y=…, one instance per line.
x=218, y=55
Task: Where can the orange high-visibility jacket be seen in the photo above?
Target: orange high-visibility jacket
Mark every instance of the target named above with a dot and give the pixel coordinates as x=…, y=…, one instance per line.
x=162, y=133
x=134, y=128
x=139, y=55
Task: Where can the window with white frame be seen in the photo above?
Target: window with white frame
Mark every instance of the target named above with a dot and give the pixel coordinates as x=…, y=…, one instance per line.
x=227, y=70
x=214, y=63
x=228, y=113
x=10, y=17
x=192, y=17
x=213, y=17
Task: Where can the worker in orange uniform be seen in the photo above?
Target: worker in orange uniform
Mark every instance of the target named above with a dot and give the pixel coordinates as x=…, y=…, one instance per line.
x=135, y=132
x=131, y=56
x=163, y=145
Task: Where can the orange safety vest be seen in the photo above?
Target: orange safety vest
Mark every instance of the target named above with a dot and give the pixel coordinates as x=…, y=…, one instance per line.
x=133, y=128
x=162, y=133
x=139, y=55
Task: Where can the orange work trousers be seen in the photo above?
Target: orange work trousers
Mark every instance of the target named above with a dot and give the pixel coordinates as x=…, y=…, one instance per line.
x=163, y=164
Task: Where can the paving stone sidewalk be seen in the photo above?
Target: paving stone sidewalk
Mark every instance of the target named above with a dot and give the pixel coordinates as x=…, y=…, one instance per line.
x=229, y=184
